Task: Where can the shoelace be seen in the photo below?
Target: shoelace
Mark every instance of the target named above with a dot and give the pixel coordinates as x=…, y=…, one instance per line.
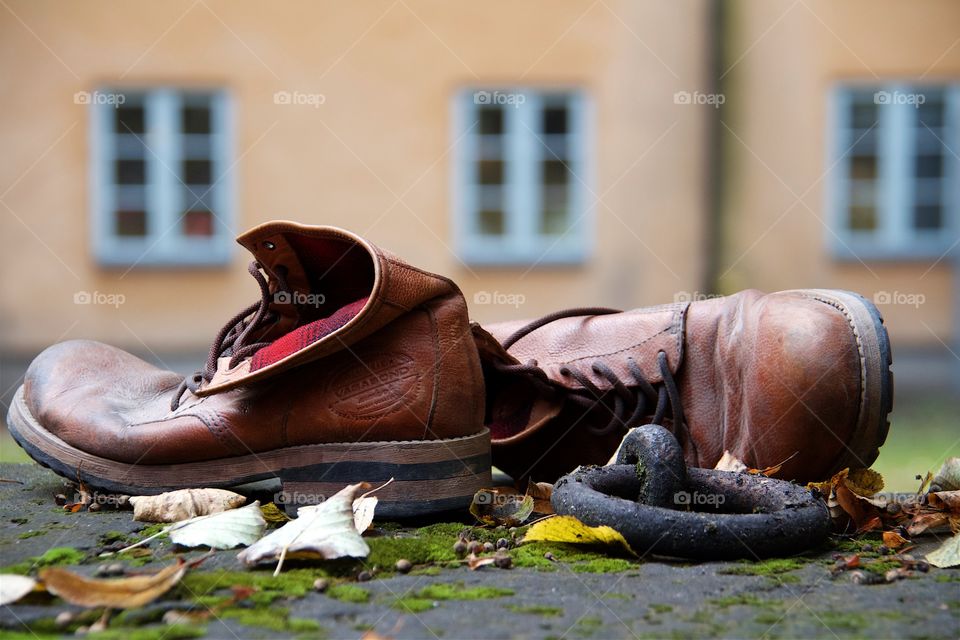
x=665, y=393
x=235, y=333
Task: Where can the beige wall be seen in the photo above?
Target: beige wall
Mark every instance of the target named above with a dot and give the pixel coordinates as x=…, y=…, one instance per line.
x=388, y=72
x=784, y=57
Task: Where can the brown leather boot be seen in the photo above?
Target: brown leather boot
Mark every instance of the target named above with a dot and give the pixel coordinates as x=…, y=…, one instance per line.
x=354, y=366
x=797, y=376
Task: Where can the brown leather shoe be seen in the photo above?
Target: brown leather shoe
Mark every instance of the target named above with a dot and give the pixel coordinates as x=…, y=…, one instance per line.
x=797, y=376
x=354, y=366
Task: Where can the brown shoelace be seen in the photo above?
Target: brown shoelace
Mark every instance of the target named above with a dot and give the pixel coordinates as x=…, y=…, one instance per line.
x=665, y=394
x=233, y=337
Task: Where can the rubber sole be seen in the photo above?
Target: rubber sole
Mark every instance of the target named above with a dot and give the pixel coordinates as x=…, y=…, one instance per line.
x=876, y=378
x=429, y=476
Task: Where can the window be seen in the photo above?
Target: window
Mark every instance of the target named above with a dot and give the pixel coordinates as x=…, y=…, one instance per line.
x=895, y=171
x=161, y=187
x=520, y=173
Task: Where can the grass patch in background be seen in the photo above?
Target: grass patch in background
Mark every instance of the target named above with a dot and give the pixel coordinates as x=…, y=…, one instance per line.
x=923, y=433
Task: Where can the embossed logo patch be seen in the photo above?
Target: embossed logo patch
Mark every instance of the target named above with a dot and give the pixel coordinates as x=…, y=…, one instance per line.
x=387, y=382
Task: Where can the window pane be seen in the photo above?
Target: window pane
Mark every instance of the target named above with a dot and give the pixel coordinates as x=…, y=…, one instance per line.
x=195, y=119
x=863, y=167
x=491, y=120
x=131, y=223
x=863, y=114
x=197, y=171
x=130, y=119
x=198, y=222
x=927, y=216
x=863, y=218
x=555, y=120
x=130, y=172
x=555, y=172
x=929, y=166
x=930, y=113
x=554, y=214
x=491, y=222
x=490, y=172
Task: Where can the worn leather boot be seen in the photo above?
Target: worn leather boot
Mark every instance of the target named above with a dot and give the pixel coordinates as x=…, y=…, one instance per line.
x=353, y=366
x=797, y=377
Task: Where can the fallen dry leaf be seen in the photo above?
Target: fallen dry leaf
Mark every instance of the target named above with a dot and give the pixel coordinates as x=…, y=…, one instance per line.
x=13, y=587
x=324, y=531
x=184, y=504
x=948, y=477
x=730, y=462
x=117, y=593
x=501, y=506
x=948, y=555
x=541, y=492
x=893, y=539
x=272, y=514
x=223, y=530
x=945, y=500
x=570, y=530
x=474, y=562
x=926, y=521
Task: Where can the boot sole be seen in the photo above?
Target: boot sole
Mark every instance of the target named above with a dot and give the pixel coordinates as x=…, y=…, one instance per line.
x=429, y=476
x=876, y=377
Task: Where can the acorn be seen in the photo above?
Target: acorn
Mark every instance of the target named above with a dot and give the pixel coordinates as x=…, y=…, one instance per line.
x=364, y=576
x=321, y=584
x=503, y=543
x=403, y=565
x=460, y=548
x=488, y=546
x=502, y=560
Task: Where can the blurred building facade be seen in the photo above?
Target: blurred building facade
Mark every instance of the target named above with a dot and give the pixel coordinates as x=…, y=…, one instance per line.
x=542, y=154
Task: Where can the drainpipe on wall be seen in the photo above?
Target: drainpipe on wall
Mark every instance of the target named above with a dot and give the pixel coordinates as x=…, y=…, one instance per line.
x=711, y=241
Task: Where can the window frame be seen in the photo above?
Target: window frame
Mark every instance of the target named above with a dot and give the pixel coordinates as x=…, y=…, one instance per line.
x=522, y=244
x=895, y=237
x=163, y=245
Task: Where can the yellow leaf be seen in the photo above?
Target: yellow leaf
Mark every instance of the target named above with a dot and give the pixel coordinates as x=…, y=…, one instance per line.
x=864, y=482
x=119, y=593
x=570, y=530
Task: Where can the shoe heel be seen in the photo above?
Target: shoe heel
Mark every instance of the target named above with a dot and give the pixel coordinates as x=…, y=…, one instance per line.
x=429, y=476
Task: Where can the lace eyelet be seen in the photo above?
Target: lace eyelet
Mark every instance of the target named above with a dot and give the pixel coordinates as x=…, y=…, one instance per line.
x=269, y=245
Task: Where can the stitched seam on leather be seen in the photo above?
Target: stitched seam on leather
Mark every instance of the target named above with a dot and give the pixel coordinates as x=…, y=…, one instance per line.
x=613, y=353
x=863, y=358
x=435, y=334
x=215, y=424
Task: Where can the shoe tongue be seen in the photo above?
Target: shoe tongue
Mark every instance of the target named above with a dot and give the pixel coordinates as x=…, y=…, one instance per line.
x=336, y=282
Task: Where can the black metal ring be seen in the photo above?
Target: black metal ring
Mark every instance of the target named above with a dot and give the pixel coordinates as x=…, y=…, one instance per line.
x=739, y=515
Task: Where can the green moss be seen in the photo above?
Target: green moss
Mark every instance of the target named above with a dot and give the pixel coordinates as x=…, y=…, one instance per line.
x=31, y=534
x=880, y=566
x=165, y=632
x=947, y=576
x=413, y=604
x=294, y=582
x=111, y=537
x=458, y=591
x=588, y=625
x=349, y=593
x=426, y=571
x=536, y=609
x=660, y=608
x=768, y=618
x=771, y=567
x=55, y=557
x=152, y=529
x=743, y=599
x=272, y=618
x=847, y=620
x=579, y=558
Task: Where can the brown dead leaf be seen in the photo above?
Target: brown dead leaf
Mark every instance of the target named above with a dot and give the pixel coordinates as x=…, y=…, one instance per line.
x=541, y=492
x=730, y=462
x=184, y=504
x=117, y=593
x=474, y=562
x=926, y=521
x=945, y=500
x=501, y=506
x=893, y=539
x=863, y=514
x=864, y=482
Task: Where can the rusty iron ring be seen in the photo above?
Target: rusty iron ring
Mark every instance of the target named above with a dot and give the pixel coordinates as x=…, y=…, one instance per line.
x=740, y=515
